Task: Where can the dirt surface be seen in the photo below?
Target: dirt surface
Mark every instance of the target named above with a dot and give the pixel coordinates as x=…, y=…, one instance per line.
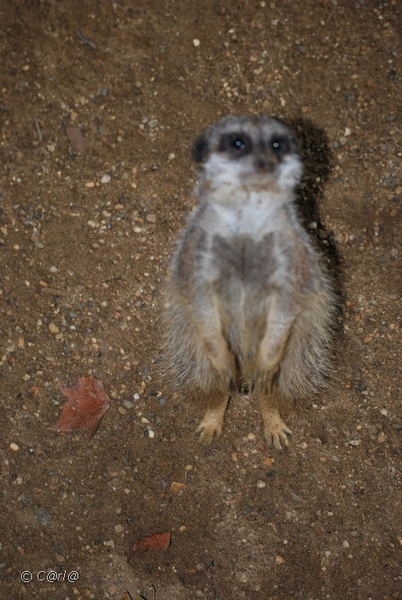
x=85, y=243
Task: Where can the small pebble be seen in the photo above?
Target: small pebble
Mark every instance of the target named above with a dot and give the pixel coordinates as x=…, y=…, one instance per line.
x=261, y=484
x=106, y=178
x=53, y=328
x=14, y=447
x=279, y=560
x=196, y=43
x=43, y=517
x=355, y=442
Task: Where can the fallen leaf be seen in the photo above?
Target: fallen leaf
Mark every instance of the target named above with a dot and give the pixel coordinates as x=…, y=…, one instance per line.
x=157, y=541
x=86, y=406
x=176, y=486
x=76, y=139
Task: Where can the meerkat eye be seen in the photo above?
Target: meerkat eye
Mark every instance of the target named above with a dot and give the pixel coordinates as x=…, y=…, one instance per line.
x=237, y=144
x=280, y=145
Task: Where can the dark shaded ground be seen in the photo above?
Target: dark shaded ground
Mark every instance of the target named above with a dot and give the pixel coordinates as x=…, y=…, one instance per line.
x=82, y=269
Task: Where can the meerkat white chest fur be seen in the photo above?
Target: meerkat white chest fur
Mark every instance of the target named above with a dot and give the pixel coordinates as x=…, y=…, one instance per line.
x=248, y=300
x=250, y=213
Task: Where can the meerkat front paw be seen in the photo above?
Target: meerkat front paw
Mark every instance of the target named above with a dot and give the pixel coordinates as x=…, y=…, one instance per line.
x=276, y=431
x=210, y=427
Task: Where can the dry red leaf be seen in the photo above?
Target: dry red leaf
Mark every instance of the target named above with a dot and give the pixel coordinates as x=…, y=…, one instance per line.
x=157, y=541
x=86, y=406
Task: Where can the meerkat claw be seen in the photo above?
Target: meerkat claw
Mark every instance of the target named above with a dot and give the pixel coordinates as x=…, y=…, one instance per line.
x=276, y=432
x=210, y=427
x=279, y=440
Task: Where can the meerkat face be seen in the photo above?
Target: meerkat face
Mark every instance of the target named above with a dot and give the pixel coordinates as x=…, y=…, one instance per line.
x=249, y=151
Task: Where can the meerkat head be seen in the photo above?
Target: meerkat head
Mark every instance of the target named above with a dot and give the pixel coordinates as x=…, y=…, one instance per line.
x=253, y=152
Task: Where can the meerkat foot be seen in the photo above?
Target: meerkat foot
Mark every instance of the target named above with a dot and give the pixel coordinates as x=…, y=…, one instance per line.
x=210, y=427
x=276, y=432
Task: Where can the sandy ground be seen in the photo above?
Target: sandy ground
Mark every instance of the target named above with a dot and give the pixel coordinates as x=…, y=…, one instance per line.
x=85, y=244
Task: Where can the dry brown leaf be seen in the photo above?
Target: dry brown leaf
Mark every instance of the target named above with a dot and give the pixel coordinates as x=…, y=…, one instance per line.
x=157, y=541
x=86, y=406
x=77, y=140
x=176, y=486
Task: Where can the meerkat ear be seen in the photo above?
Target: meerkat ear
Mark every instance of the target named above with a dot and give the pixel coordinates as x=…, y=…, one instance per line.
x=200, y=149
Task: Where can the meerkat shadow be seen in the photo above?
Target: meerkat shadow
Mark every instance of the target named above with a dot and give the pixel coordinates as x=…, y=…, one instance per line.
x=318, y=160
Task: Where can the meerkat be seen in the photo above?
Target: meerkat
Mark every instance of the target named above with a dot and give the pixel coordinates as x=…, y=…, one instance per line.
x=248, y=301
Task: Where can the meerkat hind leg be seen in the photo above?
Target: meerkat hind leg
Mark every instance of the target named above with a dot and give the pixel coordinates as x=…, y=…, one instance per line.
x=276, y=431
x=211, y=424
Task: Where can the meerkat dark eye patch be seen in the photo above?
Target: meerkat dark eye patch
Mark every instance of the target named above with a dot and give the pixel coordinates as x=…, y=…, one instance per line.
x=280, y=145
x=200, y=149
x=237, y=144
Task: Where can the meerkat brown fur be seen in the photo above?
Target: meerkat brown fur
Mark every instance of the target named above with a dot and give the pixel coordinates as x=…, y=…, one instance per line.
x=248, y=302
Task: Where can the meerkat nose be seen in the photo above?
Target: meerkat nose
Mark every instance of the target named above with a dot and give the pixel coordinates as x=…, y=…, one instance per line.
x=264, y=163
